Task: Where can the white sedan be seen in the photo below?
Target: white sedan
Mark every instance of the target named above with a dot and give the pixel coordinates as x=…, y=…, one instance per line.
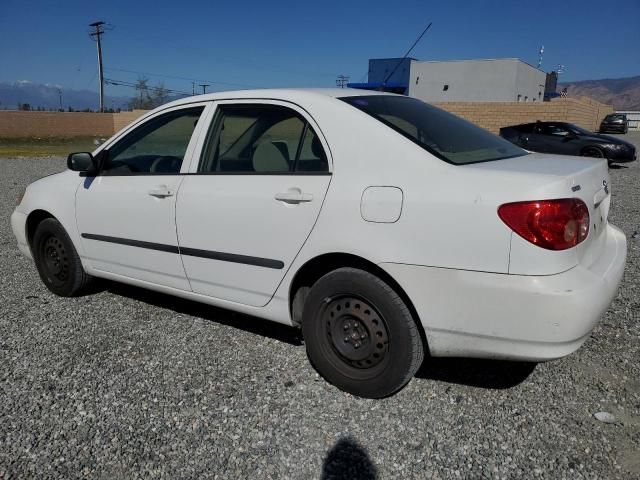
x=386, y=228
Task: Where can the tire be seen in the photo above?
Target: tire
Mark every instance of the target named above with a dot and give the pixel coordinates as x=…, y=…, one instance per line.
x=593, y=152
x=359, y=334
x=57, y=260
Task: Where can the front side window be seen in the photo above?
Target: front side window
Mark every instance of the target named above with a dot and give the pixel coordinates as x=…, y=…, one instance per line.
x=261, y=139
x=444, y=135
x=156, y=147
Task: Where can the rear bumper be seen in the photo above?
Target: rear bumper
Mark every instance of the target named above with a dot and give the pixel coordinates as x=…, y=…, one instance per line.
x=520, y=317
x=19, y=227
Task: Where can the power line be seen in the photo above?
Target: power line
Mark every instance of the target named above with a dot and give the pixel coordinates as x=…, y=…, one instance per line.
x=175, y=77
x=123, y=83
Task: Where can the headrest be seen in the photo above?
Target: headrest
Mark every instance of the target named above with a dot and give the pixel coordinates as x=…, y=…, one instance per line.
x=268, y=158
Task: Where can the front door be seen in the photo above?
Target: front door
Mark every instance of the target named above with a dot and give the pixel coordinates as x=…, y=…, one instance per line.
x=554, y=138
x=245, y=214
x=126, y=214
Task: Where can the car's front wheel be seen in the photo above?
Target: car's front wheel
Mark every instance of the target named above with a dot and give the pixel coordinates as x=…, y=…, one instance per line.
x=594, y=152
x=57, y=260
x=360, y=335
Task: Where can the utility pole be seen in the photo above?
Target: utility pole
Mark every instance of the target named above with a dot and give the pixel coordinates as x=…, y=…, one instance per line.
x=193, y=88
x=60, y=97
x=342, y=81
x=204, y=87
x=97, y=35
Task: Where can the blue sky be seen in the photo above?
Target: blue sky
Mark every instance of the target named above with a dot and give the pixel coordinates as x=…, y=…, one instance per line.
x=298, y=43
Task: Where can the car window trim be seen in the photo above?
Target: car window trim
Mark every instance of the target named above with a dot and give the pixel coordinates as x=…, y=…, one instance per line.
x=145, y=120
x=234, y=102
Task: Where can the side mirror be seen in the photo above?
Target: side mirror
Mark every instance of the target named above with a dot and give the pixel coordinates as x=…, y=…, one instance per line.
x=80, y=161
x=85, y=163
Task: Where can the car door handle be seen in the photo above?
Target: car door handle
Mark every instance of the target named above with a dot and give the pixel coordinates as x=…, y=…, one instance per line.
x=161, y=191
x=293, y=197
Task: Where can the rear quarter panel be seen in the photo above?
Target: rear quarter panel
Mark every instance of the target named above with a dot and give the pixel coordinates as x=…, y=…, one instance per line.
x=448, y=216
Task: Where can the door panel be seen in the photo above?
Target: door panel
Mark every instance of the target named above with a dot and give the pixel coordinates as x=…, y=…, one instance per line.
x=116, y=215
x=245, y=215
x=126, y=214
x=238, y=215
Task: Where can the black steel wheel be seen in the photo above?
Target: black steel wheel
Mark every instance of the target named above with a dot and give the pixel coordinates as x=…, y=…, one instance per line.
x=57, y=261
x=360, y=335
x=594, y=152
x=356, y=331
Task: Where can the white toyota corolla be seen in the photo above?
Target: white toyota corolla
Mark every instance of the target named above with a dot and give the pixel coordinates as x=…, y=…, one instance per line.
x=386, y=228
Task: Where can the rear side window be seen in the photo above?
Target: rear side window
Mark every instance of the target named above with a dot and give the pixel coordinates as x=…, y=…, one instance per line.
x=261, y=139
x=526, y=128
x=156, y=147
x=553, y=129
x=444, y=135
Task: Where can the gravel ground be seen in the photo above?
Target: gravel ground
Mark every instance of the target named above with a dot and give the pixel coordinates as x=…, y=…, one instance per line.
x=125, y=383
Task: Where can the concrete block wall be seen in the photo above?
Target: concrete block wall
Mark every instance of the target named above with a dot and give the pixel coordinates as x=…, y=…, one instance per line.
x=19, y=124
x=122, y=119
x=492, y=116
x=582, y=111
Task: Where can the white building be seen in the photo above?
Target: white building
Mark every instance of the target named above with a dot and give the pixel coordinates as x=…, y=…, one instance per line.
x=492, y=80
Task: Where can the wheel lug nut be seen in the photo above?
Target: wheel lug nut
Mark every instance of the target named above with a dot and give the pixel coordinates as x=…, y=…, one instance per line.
x=356, y=345
x=363, y=336
x=346, y=339
x=347, y=326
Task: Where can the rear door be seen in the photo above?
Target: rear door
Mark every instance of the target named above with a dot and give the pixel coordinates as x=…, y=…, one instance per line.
x=248, y=206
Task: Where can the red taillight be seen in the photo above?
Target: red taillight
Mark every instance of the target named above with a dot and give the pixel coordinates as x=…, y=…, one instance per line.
x=551, y=224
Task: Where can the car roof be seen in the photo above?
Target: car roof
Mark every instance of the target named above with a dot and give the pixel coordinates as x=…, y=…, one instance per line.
x=287, y=94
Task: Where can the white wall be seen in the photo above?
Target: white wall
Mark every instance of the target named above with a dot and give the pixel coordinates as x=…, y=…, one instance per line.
x=500, y=80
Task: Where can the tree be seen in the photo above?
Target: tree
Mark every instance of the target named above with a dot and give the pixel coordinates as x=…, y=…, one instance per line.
x=148, y=97
x=160, y=94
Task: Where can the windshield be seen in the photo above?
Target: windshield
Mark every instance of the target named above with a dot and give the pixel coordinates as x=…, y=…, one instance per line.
x=446, y=136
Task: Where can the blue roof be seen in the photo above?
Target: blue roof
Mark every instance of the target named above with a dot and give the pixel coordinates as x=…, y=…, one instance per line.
x=376, y=85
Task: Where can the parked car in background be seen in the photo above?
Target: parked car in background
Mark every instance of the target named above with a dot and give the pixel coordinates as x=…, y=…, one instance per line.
x=387, y=229
x=614, y=123
x=568, y=139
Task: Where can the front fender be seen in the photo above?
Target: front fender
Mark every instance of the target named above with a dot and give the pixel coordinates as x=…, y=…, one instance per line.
x=54, y=195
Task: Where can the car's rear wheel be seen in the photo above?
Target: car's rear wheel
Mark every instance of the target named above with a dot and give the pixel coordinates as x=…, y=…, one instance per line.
x=57, y=260
x=360, y=335
x=592, y=152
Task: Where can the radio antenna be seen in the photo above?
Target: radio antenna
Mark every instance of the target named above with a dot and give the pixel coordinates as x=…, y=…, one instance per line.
x=406, y=54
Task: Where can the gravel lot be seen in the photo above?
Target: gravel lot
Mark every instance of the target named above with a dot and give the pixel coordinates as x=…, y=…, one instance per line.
x=125, y=383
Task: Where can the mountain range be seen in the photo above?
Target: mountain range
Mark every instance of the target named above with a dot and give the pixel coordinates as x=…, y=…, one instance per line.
x=621, y=93
x=13, y=94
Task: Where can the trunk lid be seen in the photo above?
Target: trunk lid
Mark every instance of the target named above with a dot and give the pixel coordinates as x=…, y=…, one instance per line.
x=542, y=177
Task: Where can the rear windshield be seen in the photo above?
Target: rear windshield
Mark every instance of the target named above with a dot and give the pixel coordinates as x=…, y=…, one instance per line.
x=446, y=136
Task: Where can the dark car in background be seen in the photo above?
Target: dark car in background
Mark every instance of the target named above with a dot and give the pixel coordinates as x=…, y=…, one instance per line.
x=615, y=123
x=568, y=139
